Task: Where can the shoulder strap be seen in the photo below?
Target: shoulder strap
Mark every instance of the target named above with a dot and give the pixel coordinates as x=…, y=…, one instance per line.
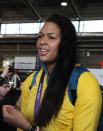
x=72, y=86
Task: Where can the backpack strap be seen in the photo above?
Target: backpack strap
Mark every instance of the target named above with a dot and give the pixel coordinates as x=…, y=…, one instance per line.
x=73, y=82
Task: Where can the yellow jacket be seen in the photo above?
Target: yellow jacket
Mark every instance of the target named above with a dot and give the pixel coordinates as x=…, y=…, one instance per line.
x=83, y=116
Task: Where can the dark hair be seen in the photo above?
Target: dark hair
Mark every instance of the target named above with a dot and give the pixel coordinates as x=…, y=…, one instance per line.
x=58, y=81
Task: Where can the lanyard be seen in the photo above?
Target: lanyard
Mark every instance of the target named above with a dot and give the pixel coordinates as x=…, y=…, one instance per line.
x=38, y=96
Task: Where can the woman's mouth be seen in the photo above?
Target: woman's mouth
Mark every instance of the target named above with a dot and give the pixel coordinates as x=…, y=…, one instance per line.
x=43, y=52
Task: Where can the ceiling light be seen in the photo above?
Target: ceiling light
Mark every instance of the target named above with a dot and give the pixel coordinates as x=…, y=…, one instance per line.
x=63, y=3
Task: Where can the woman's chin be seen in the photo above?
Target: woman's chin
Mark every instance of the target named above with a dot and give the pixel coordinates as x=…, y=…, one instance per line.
x=43, y=59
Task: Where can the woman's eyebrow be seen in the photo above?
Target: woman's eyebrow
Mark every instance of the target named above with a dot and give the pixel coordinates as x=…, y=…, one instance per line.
x=40, y=33
x=49, y=33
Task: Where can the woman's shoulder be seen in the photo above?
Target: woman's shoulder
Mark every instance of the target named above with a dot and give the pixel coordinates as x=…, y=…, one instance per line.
x=87, y=77
x=88, y=83
x=31, y=75
x=28, y=80
x=83, y=75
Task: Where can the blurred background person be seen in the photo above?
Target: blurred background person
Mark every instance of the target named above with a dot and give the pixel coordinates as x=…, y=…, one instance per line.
x=4, y=89
x=16, y=80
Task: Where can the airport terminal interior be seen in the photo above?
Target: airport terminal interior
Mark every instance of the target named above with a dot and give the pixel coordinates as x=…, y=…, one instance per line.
x=20, y=21
x=59, y=96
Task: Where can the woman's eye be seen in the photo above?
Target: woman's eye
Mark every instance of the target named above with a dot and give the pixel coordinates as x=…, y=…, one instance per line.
x=51, y=37
x=39, y=36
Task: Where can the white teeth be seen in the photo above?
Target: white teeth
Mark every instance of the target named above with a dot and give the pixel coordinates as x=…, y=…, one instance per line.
x=43, y=50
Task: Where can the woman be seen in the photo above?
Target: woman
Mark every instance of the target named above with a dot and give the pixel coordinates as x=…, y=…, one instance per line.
x=46, y=104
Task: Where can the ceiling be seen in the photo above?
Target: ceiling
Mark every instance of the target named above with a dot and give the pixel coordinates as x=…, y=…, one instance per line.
x=34, y=10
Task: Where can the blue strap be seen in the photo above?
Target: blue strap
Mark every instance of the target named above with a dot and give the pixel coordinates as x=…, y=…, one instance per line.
x=72, y=86
x=34, y=79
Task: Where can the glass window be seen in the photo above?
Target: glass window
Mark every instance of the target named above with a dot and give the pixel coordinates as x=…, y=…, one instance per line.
x=21, y=28
x=91, y=26
x=28, y=28
x=9, y=28
x=33, y=28
x=76, y=25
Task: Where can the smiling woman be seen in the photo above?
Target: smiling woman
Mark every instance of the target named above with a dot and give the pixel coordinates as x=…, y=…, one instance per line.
x=48, y=43
x=45, y=104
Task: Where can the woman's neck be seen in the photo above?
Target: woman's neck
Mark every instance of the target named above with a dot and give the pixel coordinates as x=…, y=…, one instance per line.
x=50, y=67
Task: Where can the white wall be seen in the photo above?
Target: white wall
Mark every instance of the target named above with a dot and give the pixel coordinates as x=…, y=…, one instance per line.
x=98, y=73
x=25, y=62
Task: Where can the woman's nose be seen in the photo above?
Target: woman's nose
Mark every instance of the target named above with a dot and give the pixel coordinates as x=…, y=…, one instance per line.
x=44, y=40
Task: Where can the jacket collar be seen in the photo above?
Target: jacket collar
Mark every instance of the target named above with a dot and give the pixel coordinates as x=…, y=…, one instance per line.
x=44, y=67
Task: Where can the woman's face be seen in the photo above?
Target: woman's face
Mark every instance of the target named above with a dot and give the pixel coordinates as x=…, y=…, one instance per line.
x=48, y=42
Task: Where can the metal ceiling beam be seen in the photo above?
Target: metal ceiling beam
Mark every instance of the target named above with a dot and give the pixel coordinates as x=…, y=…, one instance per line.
x=33, y=9
x=75, y=9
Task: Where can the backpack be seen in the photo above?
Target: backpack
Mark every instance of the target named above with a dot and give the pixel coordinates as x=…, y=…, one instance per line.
x=72, y=90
